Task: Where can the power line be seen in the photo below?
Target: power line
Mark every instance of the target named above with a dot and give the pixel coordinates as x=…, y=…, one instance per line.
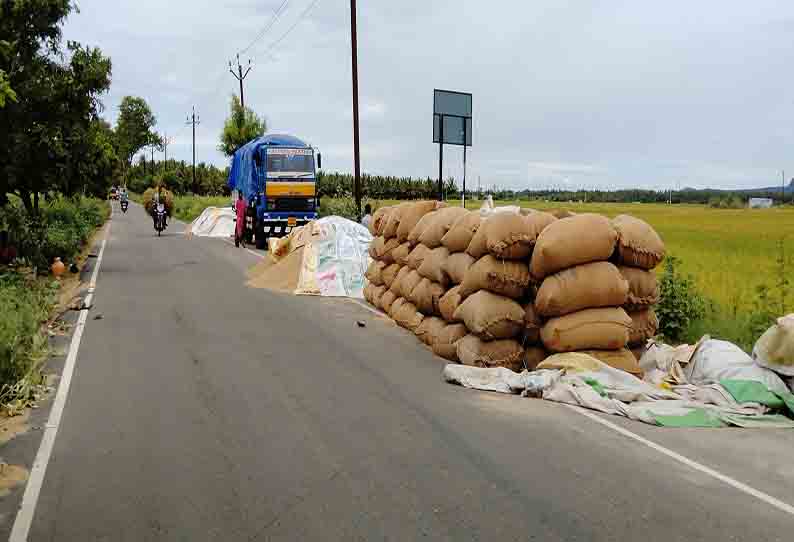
x=291, y=28
x=268, y=26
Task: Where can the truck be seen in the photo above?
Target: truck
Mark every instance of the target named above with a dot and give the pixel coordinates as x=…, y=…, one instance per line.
x=277, y=176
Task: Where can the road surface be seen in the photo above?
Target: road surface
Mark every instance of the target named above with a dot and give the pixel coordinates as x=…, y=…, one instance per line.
x=201, y=409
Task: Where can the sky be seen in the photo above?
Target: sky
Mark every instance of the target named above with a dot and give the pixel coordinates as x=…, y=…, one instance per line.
x=566, y=94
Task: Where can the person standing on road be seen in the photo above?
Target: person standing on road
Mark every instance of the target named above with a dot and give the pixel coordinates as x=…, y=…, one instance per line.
x=239, y=211
x=367, y=218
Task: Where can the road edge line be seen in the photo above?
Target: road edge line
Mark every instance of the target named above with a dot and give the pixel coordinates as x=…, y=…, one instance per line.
x=27, y=508
x=760, y=495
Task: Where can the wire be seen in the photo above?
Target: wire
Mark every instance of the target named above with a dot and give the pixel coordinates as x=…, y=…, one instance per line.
x=291, y=28
x=268, y=26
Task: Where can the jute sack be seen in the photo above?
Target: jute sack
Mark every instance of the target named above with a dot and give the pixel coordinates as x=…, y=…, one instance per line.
x=377, y=293
x=396, y=306
x=374, y=272
x=590, y=285
x=532, y=324
x=621, y=359
x=572, y=241
x=367, y=291
x=445, y=341
x=504, y=277
x=644, y=325
x=459, y=236
x=417, y=256
x=601, y=329
x=439, y=224
x=638, y=243
x=426, y=297
x=416, y=232
x=643, y=288
x=511, y=236
x=429, y=328
x=387, y=250
x=376, y=247
x=562, y=213
x=491, y=316
x=393, y=220
x=411, y=215
x=389, y=273
x=379, y=218
x=456, y=266
x=534, y=355
x=478, y=246
x=396, y=285
x=400, y=254
x=409, y=282
x=386, y=301
x=449, y=303
x=473, y=351
x=433, y=266
x=408, y=317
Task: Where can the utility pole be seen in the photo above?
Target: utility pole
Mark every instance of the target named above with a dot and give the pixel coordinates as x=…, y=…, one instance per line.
x=240, y=76
x=194, y=120
x=166, y=142
x=783, y=187
x=356, y=162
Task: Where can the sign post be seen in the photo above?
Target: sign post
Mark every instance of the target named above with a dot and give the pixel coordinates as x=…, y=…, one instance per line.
x=451, y=125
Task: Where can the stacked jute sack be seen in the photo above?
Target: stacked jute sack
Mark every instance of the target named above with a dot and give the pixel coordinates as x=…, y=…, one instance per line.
x=596, y=287
x=506, y=288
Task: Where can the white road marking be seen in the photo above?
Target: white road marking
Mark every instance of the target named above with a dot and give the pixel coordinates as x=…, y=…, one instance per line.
x=365, y=306
x=768, y=499
x=27, y=509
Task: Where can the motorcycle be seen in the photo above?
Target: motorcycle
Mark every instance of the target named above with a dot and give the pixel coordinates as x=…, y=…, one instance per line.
x=124, y=204
x=159, y=218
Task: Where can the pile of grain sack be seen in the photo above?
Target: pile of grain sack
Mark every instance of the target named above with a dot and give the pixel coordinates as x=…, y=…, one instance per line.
x=506, y=289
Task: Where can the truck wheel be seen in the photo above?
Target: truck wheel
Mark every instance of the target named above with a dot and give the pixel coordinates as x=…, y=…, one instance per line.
x=261, y=239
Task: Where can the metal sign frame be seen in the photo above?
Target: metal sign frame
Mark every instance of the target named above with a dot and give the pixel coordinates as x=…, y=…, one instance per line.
x=438, y=135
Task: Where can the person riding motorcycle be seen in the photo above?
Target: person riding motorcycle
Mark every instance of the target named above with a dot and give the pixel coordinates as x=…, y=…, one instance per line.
x=155, y=203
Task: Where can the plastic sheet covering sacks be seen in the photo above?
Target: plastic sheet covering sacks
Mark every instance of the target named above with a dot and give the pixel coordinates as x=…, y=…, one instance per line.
x=775, y=348
x=213, y=222
x=335, y=259
x=720, y=387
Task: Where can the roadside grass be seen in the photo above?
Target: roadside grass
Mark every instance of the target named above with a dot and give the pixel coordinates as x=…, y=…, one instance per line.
x=27, y=300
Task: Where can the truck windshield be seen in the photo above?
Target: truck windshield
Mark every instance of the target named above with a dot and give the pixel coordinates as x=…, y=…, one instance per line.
x=298, y=162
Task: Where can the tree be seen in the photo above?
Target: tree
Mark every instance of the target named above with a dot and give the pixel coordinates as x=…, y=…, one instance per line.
x=242, y=126
x=47, y=142
x=134, y=128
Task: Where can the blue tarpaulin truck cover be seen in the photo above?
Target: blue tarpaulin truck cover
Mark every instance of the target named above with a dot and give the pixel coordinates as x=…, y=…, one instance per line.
x=244, y=174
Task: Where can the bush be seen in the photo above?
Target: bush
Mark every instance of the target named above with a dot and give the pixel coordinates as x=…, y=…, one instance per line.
x=24, y=305
x=681, y=304
x=345, y=207
x=60, y=230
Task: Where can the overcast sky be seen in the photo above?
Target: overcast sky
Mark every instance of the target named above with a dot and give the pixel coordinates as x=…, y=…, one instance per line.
x=579, y=93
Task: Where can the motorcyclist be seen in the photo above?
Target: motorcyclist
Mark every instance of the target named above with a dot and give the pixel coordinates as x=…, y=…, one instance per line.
x=155, y=202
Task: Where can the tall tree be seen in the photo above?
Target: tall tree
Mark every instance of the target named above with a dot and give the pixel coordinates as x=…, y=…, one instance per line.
x=134, y=128
x=242, y=126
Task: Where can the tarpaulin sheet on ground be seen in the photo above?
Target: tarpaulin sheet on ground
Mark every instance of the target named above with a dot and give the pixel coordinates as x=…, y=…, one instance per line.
x=213, y=222
x=335, y=256
x=717, y=386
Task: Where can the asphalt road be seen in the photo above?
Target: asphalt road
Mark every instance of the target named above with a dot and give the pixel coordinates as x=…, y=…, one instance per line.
x=204, y=410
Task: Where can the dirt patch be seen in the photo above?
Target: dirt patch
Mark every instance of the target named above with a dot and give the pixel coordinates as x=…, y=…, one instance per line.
x=281, y=276
x=11, y=426
x=10, y=477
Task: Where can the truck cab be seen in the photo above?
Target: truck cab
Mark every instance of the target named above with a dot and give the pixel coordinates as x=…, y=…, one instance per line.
x=277, y=176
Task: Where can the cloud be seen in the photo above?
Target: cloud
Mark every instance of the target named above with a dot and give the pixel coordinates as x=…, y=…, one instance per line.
x=599, y=93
